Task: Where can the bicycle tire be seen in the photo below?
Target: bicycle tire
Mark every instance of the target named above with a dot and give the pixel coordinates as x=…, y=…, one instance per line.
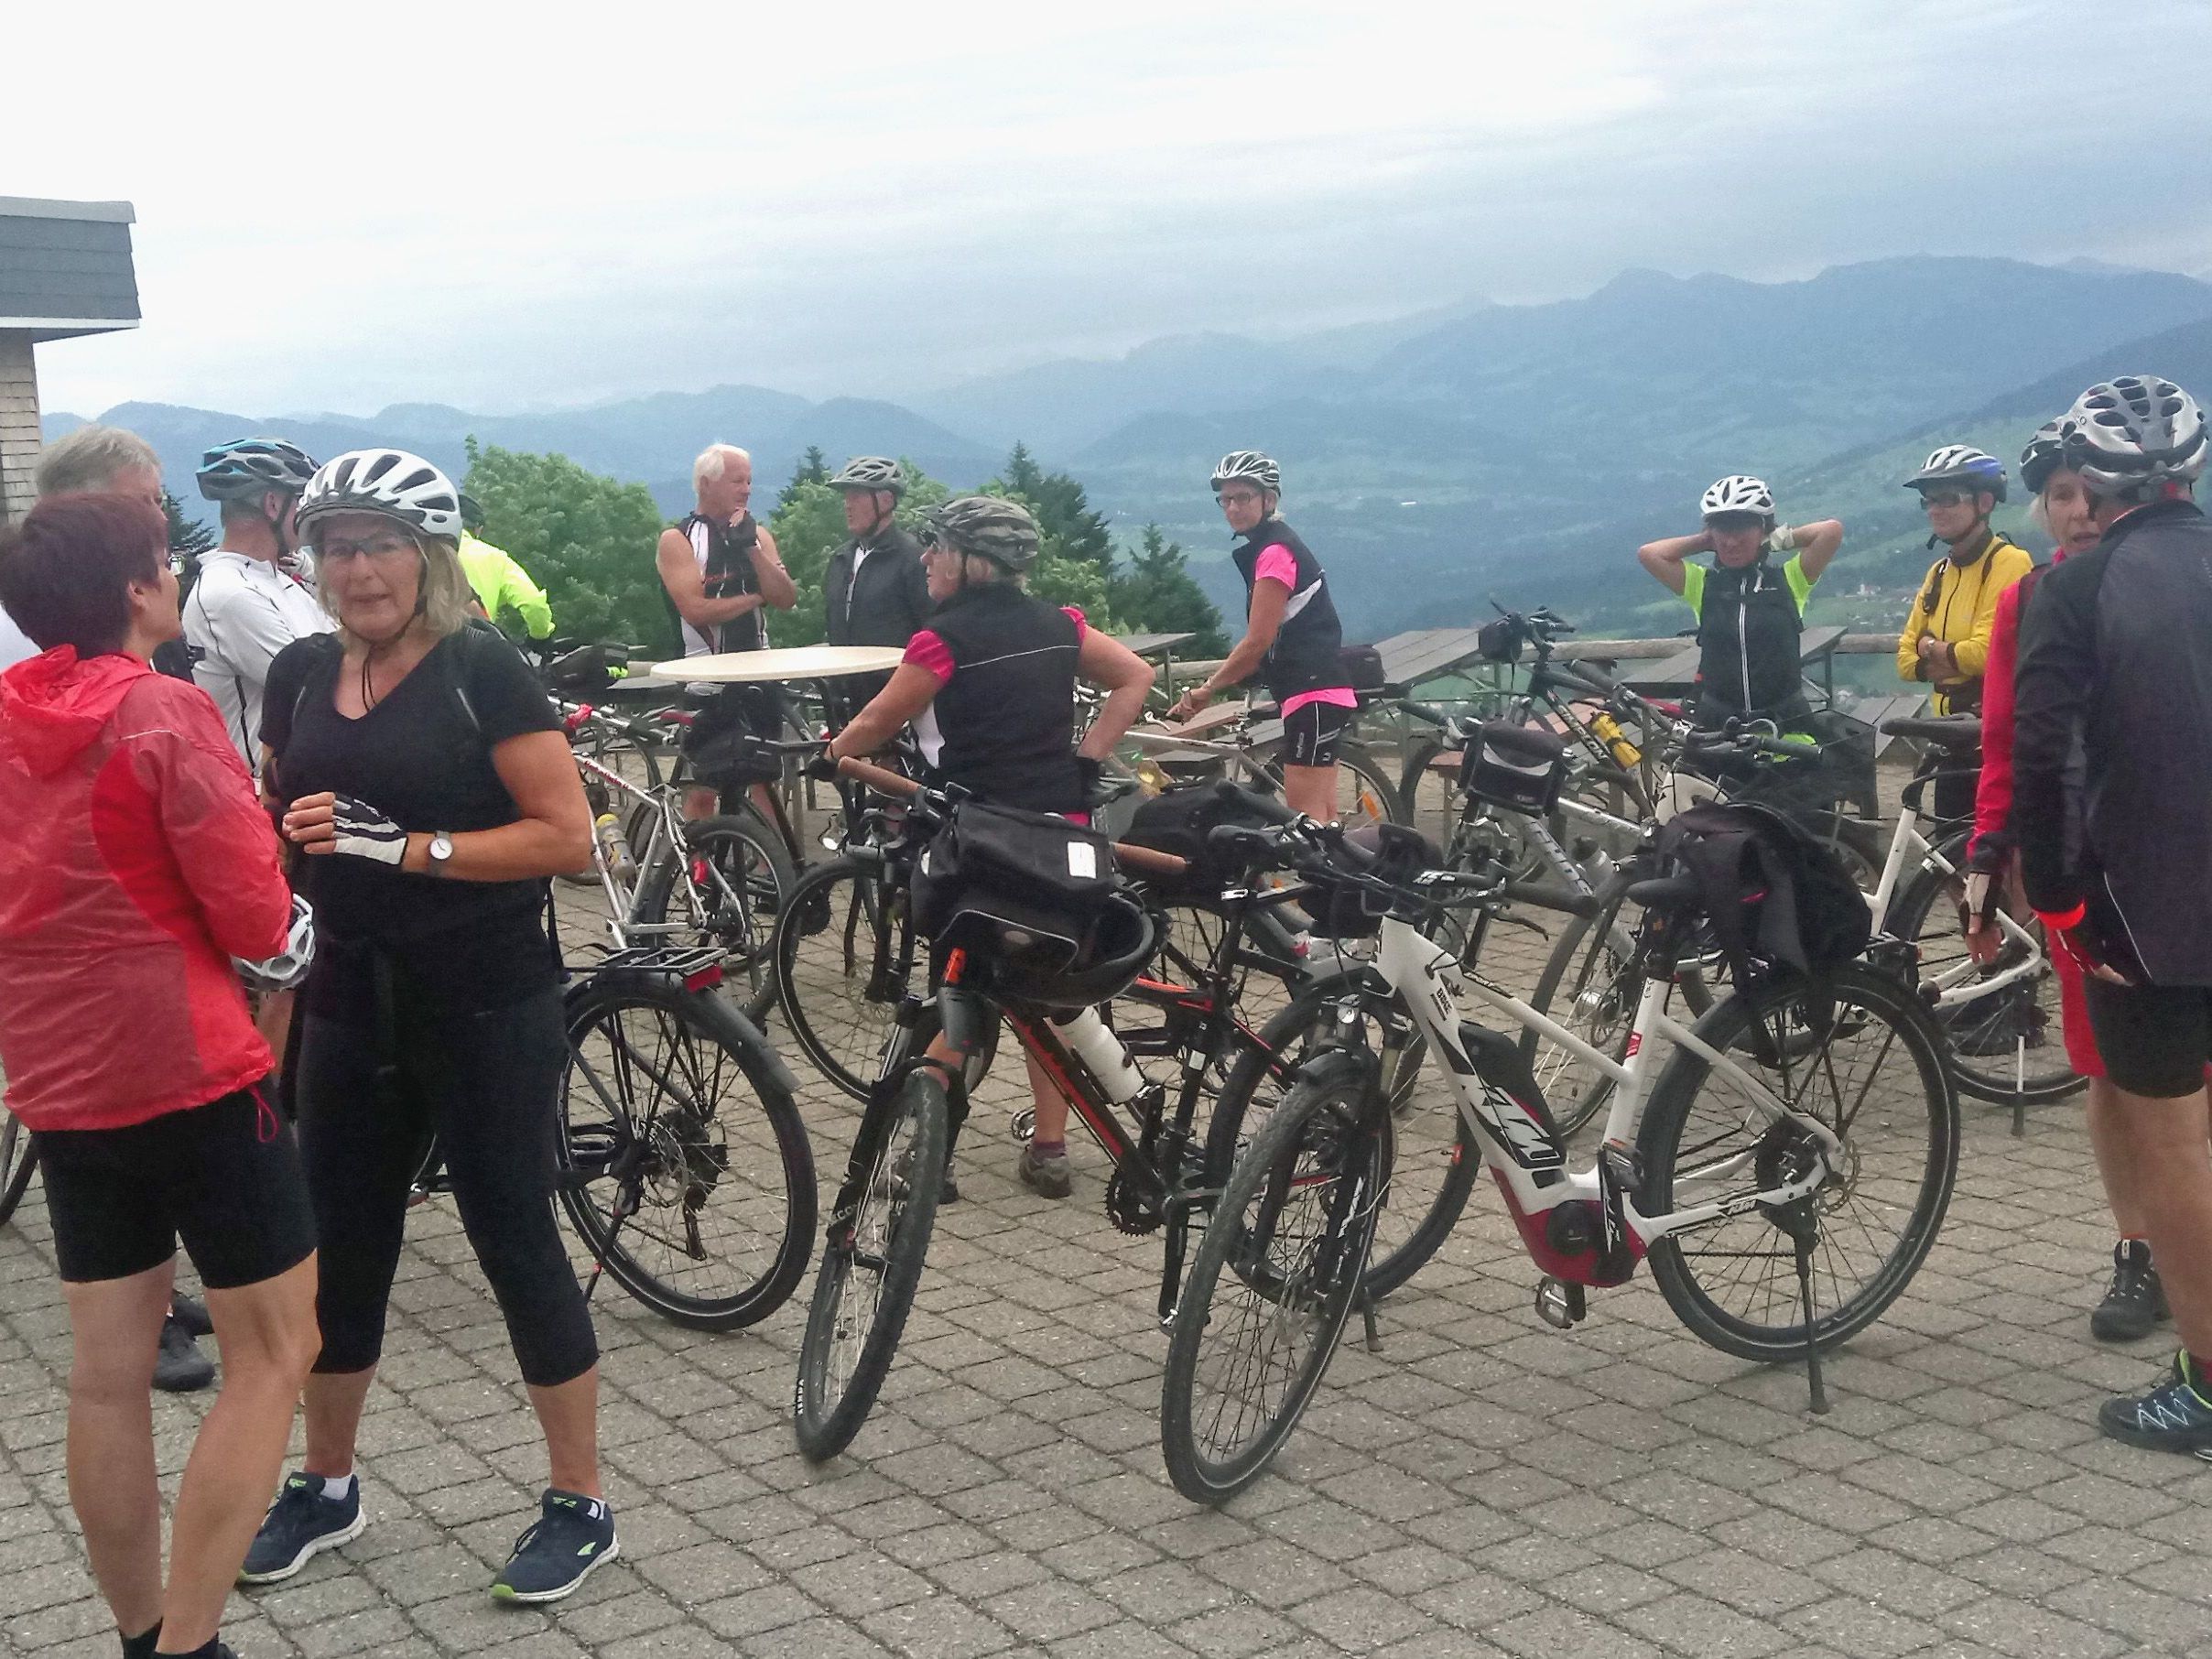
x=682, y=1153
x=1432, y=1160
x=1374, y=794
x=1327, y=1128
x=741, y=860
x=1912, y=1188
x=1912, y=914
x=830, y=1403
x=827, y=947
x=18, y=1162
x=1415, y=777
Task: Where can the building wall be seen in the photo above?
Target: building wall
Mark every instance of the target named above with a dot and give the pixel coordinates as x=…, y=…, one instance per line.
x=19, y=423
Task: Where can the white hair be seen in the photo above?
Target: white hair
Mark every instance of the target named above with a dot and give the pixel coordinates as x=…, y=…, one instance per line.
x=91, y=458
x=714, y=461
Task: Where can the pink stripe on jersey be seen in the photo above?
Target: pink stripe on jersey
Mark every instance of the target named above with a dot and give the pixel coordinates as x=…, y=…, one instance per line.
x=1076, y=616
x=1277, y=563
x=928, y=650
x=1335, y=697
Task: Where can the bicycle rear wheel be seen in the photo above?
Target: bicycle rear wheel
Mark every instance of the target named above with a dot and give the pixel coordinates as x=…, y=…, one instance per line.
x=1366, y=793
x=870, y=1267
x=1859, y=1057
x=739, y=867
x=18, y=1159
x=683, y=1163
x=1270, y=1285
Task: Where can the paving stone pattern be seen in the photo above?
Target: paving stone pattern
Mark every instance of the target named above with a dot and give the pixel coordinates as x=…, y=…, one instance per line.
x=1484, y=1485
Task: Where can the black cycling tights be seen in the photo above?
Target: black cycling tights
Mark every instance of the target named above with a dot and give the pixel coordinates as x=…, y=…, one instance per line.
x=485, y=1083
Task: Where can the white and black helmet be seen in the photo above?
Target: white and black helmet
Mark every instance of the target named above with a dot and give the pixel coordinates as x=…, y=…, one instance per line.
x=1738, y=493
x=2128, y=437
x=870, y=472
x=289, y=967
x=253, y=466
x=390, y=482
x=1960, y=465
x=1250, y=466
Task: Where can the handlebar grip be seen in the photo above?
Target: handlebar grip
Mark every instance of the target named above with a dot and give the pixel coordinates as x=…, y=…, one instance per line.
x=1266, y=808
x=1551, y=896
x=879, y=778
x=1149, y=859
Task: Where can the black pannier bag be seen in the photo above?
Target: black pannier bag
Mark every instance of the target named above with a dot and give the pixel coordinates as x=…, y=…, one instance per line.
x=1362, y=666
x=1518, y=767
x=1177, y=820
x=1343, y=911
x=1499, y=640
x=1036, y=872
x=1771, y=891
x=734, y=759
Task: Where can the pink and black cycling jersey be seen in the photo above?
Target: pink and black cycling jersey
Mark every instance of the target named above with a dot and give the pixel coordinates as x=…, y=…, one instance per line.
x=1305, y=664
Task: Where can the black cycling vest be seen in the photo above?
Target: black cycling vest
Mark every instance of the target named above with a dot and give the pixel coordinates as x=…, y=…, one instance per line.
x=728, y=572
x=1749, y=631
x=1308, y=652
x=1007, y=715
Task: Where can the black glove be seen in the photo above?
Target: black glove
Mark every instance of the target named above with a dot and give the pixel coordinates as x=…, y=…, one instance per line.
x=1093, y=775
x=822, y=766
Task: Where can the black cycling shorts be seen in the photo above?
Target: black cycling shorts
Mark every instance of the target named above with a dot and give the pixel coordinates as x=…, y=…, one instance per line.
x=2155, y=1039
x=716, y=745
x=1311, y=734
x=225, y=1178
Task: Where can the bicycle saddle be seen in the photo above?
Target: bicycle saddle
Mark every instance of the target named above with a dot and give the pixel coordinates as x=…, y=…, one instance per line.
x=1944, y=731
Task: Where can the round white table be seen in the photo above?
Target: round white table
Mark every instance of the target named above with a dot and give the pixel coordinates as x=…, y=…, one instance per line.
x=792, y=662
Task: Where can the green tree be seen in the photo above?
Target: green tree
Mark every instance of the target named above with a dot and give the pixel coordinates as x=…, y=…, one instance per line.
x=1062, y=509
x=1022, y=475
x=588, y=540
x=1159, y=596
x=189, y=538
x=813, y=469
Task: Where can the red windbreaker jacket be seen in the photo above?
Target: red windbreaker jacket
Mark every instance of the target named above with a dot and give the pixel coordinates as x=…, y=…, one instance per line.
x=135, y=864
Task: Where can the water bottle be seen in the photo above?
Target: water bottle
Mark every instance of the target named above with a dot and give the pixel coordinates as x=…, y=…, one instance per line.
x=1609, y=731
x=1103, y=1053
x=614, y=846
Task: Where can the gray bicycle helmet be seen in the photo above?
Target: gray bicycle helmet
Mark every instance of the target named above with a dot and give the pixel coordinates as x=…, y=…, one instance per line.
x=1738, y=493
x=1960, y=466
x=988, y=526
x=2044, y=456
x=870, y=472
x=289, y=967
x=2130, y=437
x=1250, y=466
x=472, y=511
x=391, y=481
x=253, y=466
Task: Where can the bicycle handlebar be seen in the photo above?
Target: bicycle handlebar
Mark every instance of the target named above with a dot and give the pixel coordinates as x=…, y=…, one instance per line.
x=885, y=782
x=1730, y=742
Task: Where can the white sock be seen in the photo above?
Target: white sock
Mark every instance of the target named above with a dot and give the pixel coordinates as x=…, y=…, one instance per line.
x=338, y=1488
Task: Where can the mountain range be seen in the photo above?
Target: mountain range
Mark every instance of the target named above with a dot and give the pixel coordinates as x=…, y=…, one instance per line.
x=1434, y=458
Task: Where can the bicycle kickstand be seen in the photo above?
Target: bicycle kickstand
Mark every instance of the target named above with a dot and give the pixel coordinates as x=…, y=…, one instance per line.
x=1367, y=1318
x=1804, y=1230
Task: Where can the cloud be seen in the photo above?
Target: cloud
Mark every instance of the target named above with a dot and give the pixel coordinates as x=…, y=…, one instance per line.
x=439, y=202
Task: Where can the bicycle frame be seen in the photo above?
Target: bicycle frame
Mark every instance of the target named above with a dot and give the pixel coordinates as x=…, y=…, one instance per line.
x=1964, y=980
x=623, y=924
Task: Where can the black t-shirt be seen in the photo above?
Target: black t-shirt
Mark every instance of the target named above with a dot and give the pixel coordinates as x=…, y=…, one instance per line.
x=423, y=758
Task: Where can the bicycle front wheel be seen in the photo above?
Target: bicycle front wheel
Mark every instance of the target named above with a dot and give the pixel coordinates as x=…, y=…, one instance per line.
x=1859, y=1057
x=871, y=1268
x=18, y=1158
x=1270, y=1285
x=683, y=1163
x=738, y=869
x=840, y=971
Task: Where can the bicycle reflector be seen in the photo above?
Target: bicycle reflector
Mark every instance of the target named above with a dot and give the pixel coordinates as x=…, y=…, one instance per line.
x=704, y=979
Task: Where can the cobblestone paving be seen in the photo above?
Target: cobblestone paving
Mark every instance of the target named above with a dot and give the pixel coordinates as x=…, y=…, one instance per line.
x=1483, y=1485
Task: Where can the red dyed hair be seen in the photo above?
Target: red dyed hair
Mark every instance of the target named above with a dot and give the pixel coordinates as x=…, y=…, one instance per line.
x=66, y=570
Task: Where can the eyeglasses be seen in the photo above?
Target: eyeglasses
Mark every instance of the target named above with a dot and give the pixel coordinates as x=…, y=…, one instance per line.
x=390, y=544
x=1932, y=499
x=176, y=565
x=1238, y=498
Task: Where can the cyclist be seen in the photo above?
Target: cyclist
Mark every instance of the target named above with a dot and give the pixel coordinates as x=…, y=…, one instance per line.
x=244, y=608
x=1945, y=640
x=136, y=865
x=2059, y=505
x=989, y=687
x=1750, y=610
x=720, y=572
x=874, y=590
x=1292, y=640
x=499, y=582
x=432, y=792
x=2115, y=656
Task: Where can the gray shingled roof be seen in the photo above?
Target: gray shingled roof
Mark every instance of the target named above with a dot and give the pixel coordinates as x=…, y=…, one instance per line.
x=65, y=266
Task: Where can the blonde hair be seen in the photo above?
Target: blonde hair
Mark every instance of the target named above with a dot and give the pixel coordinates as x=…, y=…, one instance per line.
x=90, y=458
x=714, y=461
x=443, y=599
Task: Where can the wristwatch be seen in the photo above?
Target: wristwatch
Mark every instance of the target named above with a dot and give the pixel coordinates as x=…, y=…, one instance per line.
x=441, y=851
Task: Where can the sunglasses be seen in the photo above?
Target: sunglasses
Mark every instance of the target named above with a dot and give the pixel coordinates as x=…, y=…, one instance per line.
x=1932, y=499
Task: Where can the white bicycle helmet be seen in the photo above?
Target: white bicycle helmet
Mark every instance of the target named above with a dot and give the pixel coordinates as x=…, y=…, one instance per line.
x=1960, y=464
x=2129, y=436
x=1250, y=465
x=390, y=482
x=288, y=966
x=1738, y=493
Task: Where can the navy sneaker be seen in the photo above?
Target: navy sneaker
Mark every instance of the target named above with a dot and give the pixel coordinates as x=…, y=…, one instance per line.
x=179, y=1368
x=2175, y=1416
x=299, y=1525
x=560, y=1550
x=191, y=1313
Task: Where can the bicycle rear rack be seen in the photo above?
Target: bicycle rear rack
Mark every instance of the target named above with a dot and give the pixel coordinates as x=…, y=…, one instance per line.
x=698, y=966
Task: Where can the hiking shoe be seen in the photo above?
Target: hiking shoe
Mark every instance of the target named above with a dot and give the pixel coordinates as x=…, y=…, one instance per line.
x=299, y=1525
x=180, y=1367
x=1049, y=1175
x=2173, y=1416
x=2136, y=1301
x=558, y=1550
x=191, y=1313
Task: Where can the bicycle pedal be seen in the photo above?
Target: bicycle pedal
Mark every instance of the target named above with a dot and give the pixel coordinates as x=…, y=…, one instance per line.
x=1560, y=1305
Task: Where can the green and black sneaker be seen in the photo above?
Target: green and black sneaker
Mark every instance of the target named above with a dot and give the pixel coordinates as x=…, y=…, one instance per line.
x=2175, y=1416
x=557, y=1553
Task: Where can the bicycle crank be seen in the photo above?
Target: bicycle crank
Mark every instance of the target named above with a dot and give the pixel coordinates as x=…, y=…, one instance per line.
x=1560, y=1305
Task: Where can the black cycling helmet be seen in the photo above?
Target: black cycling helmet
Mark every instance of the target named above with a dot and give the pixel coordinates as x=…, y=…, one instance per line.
x=990, y=527
x=472, y=512
x=1032, y=959
x=253, y=466
x=870, y=472
x=1250, y=466
x=2045, y=454
x=1960, y=466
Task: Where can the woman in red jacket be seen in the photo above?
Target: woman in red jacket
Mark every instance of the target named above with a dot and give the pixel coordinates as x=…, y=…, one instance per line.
x=2134, y=1303
x=136, y=866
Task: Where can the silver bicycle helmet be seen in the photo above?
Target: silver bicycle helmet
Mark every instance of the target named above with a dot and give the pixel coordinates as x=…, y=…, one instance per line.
x=1738, y=493
x=390, y=482
x=289, y=967
x=253, y=466
x=2130, y=437
x=1250, y=466
x=870, y=472
x=1961, y=466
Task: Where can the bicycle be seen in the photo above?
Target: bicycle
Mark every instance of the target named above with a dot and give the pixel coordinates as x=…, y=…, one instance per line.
x=882, y=1218
x=1750, y=1146
x=19, y=1163
x=1366, y=794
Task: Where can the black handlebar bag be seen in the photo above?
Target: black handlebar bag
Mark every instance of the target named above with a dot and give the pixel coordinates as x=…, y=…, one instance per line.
x=1773, y=894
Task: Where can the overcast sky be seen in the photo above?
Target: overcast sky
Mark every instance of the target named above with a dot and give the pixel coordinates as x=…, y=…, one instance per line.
x=342, y=208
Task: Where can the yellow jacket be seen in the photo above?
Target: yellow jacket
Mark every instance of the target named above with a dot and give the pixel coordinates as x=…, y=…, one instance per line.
x=501, y=582
x=1957, y=604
